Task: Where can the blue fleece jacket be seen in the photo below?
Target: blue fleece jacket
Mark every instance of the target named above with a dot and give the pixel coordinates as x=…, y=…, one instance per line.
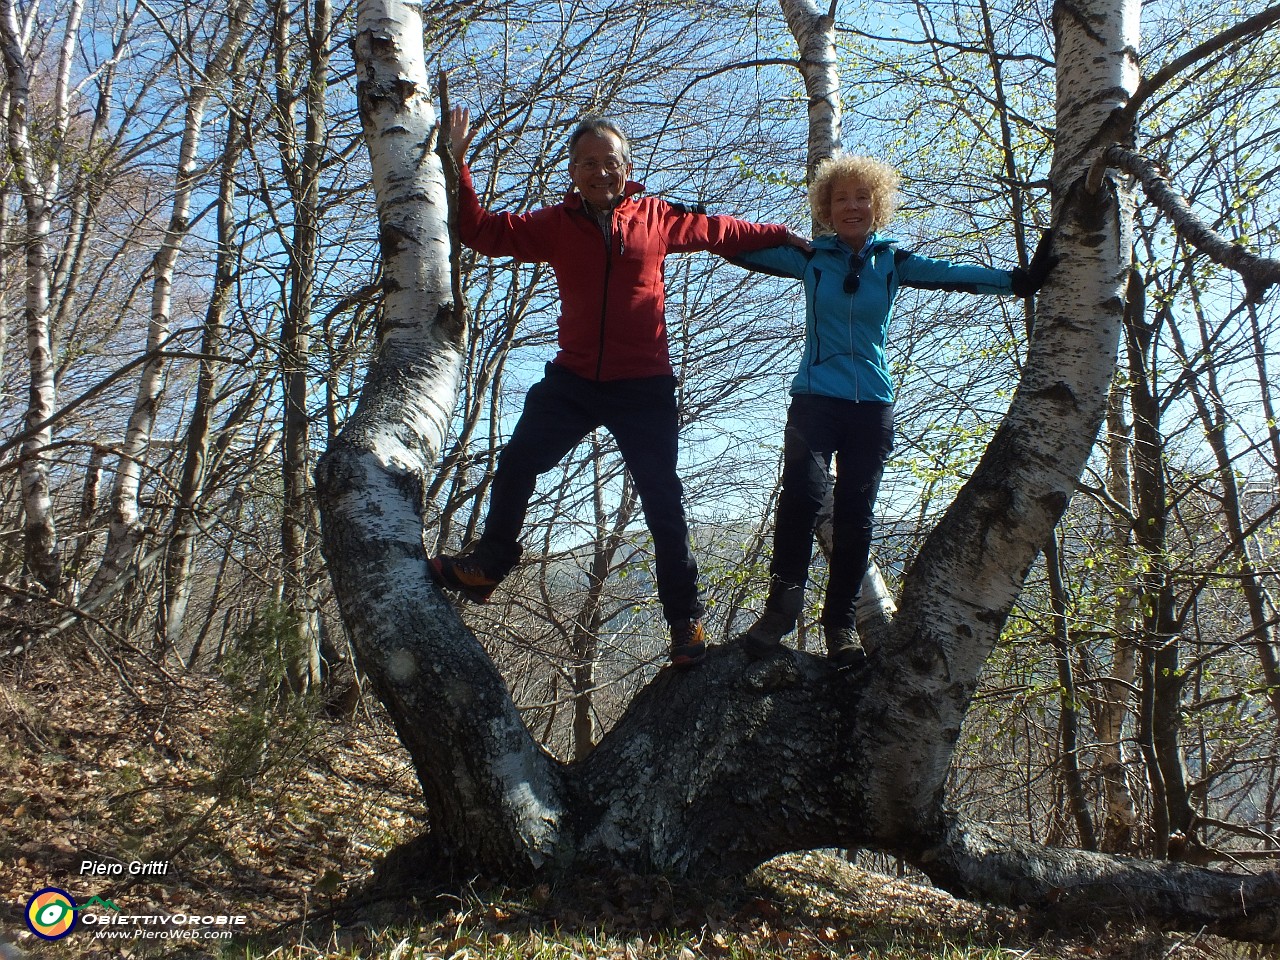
x=844, y=345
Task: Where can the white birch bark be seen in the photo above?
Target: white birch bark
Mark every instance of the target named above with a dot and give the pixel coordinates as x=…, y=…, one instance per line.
x=1112, y=709
x=126, y=527
x=186, y=516
x=970, y=570
x=814, y=32
x=496, y=798
x=41, y=550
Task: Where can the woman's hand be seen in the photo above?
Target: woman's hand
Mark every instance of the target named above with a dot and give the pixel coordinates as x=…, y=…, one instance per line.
x=1027, y=282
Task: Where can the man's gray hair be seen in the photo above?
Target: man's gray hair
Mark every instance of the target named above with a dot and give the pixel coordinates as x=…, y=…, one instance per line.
x=599, y=126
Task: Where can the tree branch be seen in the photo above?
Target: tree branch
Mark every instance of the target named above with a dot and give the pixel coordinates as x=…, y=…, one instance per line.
x=1258, y=273
x=111, y=378
x=1241, y=31
x=711, y=74
x=1089, y=889
x=444, y=148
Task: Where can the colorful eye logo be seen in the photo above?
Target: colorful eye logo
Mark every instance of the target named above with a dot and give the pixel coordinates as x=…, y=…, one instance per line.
x=51, y=913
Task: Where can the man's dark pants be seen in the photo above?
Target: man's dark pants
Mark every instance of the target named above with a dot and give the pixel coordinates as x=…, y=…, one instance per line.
x=559, y=411
x=860, y=436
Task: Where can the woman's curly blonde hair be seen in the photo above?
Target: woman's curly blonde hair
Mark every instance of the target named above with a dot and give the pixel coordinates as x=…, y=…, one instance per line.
x=879, y=177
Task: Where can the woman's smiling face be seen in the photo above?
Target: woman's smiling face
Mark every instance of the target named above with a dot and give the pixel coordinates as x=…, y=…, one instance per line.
x=852, y=212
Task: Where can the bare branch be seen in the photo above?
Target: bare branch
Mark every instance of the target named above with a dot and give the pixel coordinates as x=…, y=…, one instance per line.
x=444, y=147
x=1241, y=31
x=1258, y=273
x=710, y=74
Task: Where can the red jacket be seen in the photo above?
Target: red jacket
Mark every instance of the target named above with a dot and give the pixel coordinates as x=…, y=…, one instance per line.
x=612, y=299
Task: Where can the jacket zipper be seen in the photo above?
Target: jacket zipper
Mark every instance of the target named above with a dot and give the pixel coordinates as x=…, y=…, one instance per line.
x=817, y=328
x=604, y=300
x=853, y=360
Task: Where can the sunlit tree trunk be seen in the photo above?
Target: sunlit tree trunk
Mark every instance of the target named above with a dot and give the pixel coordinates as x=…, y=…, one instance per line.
x=491, y=788
x=89, y=497
x=1160, y=679
x=185, y=529
x=127, y=529
x=302, y=174
x=585, y=639
x=38, y=183
x=1111, y=708
x=814, y=32
x=1068, y=700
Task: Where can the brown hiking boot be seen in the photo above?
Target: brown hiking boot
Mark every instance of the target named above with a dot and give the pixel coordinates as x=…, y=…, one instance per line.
x=688, y=643
x=475, y=573
x=844, y=649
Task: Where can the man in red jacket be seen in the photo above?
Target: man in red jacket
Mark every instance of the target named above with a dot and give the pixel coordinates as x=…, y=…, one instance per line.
x=606, y=243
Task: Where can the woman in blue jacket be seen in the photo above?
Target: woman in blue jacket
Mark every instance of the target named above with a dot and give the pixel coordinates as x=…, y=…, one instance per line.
x=842, y=397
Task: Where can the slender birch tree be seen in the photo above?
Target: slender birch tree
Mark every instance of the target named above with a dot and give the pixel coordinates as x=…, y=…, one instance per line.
x=301, y=165
x=127, y=529
x=38, y=182
x=185, y=528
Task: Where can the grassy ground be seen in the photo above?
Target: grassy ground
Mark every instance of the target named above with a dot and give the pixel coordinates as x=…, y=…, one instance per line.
x=275, y=812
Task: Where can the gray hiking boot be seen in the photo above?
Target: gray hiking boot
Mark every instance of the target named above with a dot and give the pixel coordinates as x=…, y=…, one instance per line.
x=844, y=648
x=764, y=637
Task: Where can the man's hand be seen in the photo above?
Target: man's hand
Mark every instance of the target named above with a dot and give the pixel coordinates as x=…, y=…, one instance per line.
x=461, y=133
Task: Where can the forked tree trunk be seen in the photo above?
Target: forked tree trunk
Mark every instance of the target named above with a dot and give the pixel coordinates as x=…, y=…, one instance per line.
x=713, y=770
x=496, y=795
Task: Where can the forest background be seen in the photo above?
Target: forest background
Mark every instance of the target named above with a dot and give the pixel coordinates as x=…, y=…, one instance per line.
x=189, y=295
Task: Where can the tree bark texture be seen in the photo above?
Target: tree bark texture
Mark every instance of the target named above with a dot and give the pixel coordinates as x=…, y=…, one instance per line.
x=302, y=171
x=814, y=33
x=180, y=550
x=1080, y=888
x=493, y=792
x=1113, y=707
x=1259, y=273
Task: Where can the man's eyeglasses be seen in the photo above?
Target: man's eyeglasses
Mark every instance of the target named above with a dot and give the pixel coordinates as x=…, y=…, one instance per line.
x=609, y=166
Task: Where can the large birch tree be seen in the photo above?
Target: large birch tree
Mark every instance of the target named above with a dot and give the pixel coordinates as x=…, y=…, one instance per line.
x=712, y=771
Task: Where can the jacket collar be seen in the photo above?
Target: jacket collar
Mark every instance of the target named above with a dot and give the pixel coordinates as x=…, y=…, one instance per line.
x=831, y=241
x=573, y=199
